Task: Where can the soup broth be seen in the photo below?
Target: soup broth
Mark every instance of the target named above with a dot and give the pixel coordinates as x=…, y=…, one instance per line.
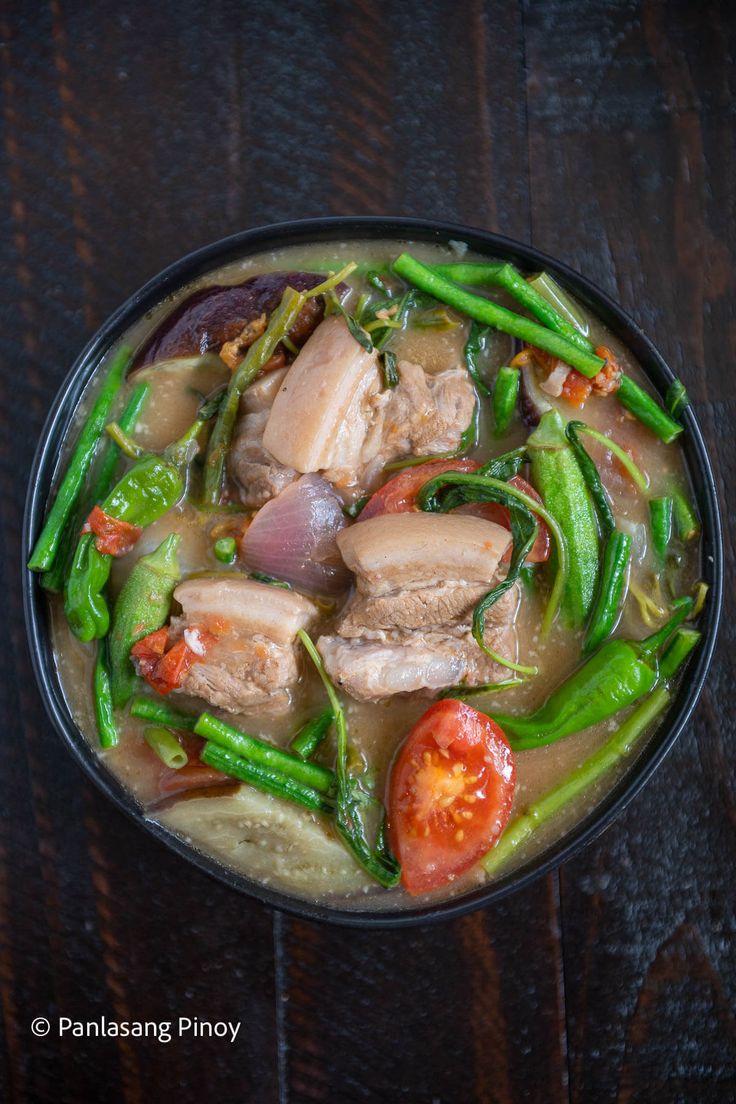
x=266, y=837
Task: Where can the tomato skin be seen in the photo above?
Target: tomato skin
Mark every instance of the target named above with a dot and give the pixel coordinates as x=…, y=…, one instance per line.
x=449, y=794
x=164, y=669
x=113, y=536
x=400, y=493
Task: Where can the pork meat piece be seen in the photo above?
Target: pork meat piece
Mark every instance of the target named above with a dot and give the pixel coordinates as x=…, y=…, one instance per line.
x=254, y=659
x=257, y=475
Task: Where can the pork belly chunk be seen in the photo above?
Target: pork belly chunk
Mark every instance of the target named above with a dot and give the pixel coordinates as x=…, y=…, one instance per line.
x=332, y=414
x=257, y=474
x=407, y=626
x=253, y=661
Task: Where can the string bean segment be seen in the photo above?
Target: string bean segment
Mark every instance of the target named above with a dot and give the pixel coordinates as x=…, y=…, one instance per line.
x=647, y=410
x=148, y=709
x=47, y=545
x=491, y=314
x=511, y=280
x=614, y=572
x=505, y=395
x=311, y=735
x=660, y=520
x=264, y=778
x=166, y=746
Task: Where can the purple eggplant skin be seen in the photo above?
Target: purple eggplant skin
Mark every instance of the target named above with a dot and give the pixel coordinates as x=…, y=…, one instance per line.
x=213, y=315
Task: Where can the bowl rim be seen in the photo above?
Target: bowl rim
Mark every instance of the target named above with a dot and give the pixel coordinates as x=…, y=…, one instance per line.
x=305, y=231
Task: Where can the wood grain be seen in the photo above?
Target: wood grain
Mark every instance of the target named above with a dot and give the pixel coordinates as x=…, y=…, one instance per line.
x=599, y=131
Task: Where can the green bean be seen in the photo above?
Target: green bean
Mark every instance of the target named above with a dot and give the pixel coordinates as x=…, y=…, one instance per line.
x=509, y=278
x=491, y=314
x=660, y=521
x=686, y=520
x=53, y=579
x=505, y=394
x=647, y=410
x=266, y=779
x=610, y=591
x=106, y=727
x=265, y=755
x=311, y=735
x=473, y=349
x=226, y=550
x=47, y=545
x=148, y=709
x=582, y=779
x=679, y=649
x=260, y=352
x=590, y=474
x=165, y=744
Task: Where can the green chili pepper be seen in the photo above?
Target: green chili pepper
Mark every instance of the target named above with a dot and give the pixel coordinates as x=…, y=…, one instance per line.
x=610, y=592
x=618, y=675
x=505, y=394
x=141, y=608
x=660, y=520
x=144, y=493
x=557, y=477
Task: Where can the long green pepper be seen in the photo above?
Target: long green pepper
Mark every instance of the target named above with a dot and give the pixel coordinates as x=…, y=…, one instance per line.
x=619, y=674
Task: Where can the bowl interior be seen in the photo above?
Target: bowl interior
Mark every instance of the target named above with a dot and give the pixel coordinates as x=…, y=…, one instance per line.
x=274, y=237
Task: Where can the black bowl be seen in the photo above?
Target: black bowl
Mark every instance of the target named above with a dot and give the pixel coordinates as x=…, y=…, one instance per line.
x=335, y=229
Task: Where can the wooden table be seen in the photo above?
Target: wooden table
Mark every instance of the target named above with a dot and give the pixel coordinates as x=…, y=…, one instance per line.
x=601, y=132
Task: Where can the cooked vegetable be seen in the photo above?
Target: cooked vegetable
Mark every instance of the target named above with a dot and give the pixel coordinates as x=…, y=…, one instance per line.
x=505, y=394
x=557, y=477
x=53, y=579
x=70, y=488
x=583, y=778
x=685, y=518
x=676, y=398
x=638, y=478
x=491, y=314
x=592, y=479
x=265, y=778
x=390, y=372
x=293, y=537
x=106, y=727
x=141, y=607
x=164, y=743
x=660, y=521
x=616, y=676
x=144, y=493
x=682, y=644
x=261, y=754
x=351, y=797
x=450, y=794
x=509, y=278
x=473, y=348
x=256, y=358
x=226, y=550
x=608, y=603
x=148, y=709
x=548, y=288
x=647, y=410
x=311, y=735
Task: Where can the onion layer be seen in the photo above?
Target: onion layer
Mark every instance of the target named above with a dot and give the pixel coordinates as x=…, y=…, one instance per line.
x=293, y=537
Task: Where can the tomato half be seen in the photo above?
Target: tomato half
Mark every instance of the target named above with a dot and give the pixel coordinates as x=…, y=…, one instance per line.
x=449, y=794
x=400, y=493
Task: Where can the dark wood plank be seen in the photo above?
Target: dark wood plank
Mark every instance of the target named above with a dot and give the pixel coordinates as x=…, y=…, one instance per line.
x=630, y=145
x=601, y=131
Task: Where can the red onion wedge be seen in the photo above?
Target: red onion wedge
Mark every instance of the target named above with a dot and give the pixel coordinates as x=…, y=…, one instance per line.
x=293, y=536
x=533, y=403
